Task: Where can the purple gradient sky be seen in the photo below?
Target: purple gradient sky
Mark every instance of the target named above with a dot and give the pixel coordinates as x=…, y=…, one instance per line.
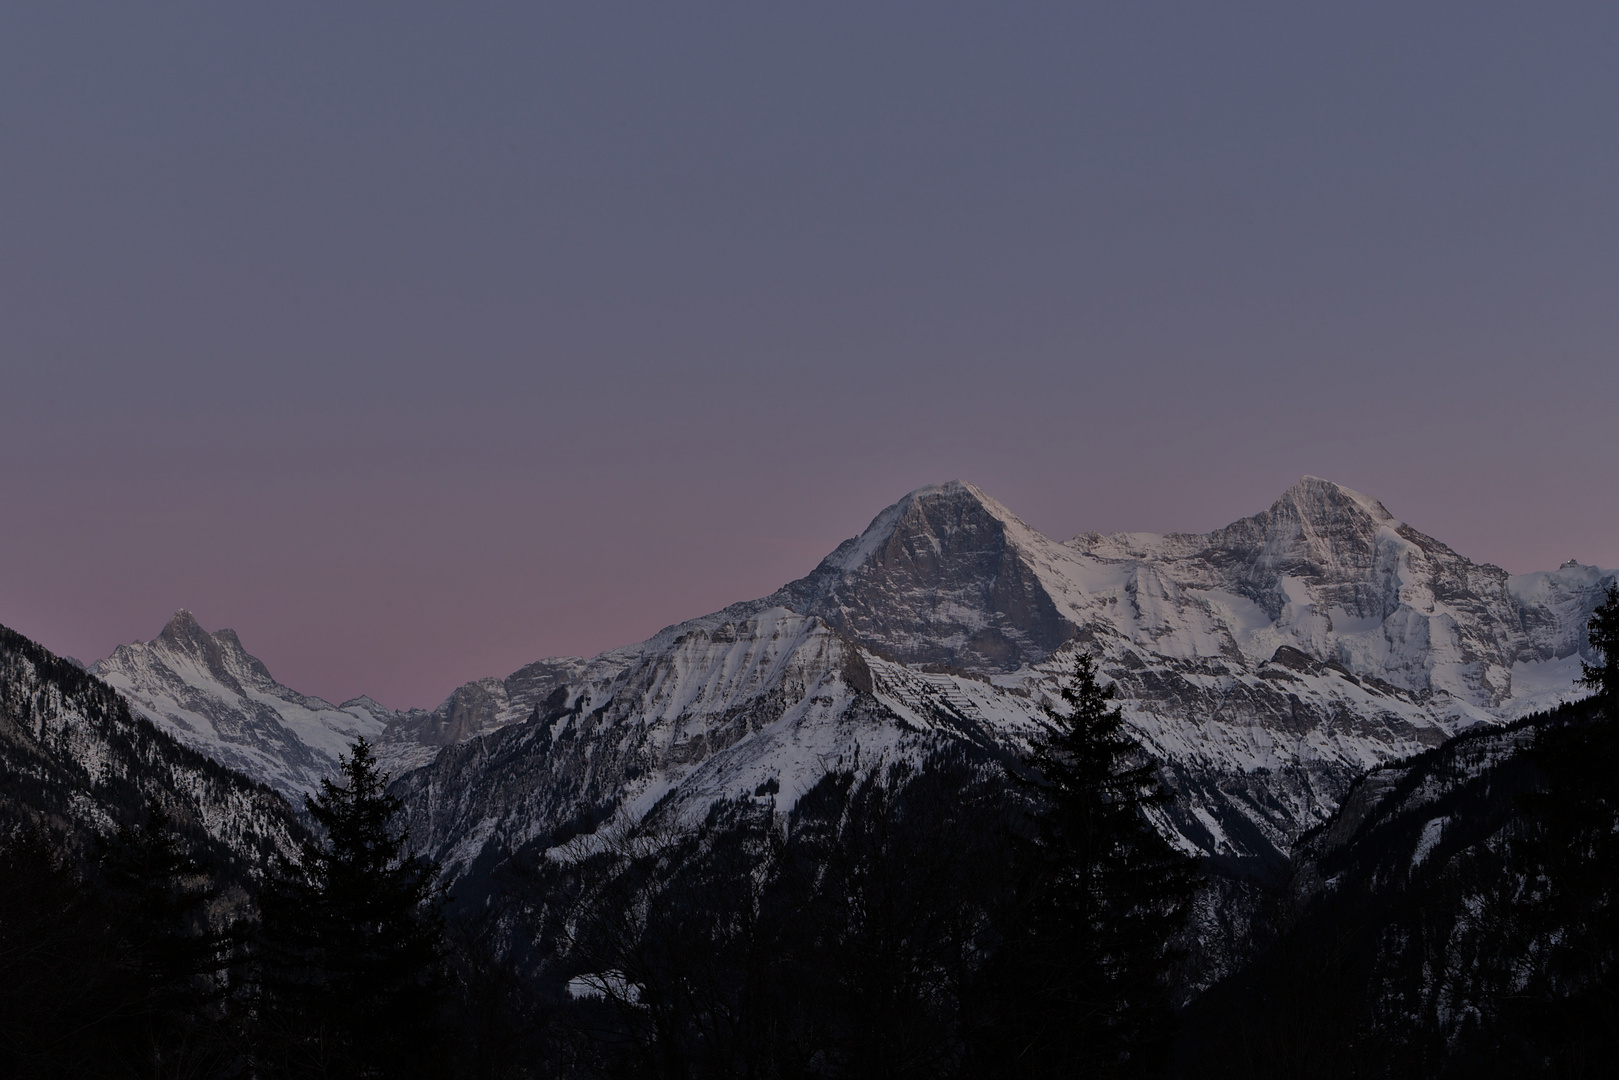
x=416, y=342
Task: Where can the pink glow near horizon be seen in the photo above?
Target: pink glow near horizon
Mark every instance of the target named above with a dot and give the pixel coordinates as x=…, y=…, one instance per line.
x=416, y=346
x=354, y=592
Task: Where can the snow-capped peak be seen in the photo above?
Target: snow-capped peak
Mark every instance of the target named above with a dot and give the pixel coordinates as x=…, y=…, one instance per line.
x=215, y=696
x=182, y=626
x=186, y=647
x=946, y=576
x=924, y=510
x=1266, y=663
x=1312, y=496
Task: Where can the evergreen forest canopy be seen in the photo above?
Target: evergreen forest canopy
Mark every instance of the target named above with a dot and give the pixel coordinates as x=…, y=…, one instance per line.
x=965, y=915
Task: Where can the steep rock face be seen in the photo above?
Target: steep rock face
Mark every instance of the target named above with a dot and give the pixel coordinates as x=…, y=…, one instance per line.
x=74, y=762
x=212, y=695
x=948, y=576
x=1556, y=606
x=1331, y=573
x=940, y=577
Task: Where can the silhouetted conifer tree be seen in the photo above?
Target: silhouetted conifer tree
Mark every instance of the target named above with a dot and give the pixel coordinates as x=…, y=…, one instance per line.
x=58, y=976
x=351, y=951
x=171, y=1022
x=1603, y=634
x=1086, y=977
x=1560, y=1015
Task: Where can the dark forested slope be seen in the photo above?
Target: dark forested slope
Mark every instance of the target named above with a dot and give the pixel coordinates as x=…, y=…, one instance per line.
x=1457, y=916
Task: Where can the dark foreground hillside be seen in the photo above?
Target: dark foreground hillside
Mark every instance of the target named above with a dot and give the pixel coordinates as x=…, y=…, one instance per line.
x=124, y=857
x=1457, y=918
x=162, y=916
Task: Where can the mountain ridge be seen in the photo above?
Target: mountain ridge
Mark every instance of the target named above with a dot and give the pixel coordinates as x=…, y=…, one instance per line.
x=1266, y=663
x=1264, y=707
x=77, y=762
x=213, y=695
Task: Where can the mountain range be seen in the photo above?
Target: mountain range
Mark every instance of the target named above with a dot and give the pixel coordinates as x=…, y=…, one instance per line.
x=1266, y=664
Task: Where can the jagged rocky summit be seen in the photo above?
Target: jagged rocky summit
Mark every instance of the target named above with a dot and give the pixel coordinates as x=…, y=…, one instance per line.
x=214, y=696
x=1267, y=664
x=75, y=764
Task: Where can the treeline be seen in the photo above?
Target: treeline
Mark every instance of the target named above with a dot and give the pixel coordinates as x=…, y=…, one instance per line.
x=921, y=922
x=142, y=960
x=917, y=922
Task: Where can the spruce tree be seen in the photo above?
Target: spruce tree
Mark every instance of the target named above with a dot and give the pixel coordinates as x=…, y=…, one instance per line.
x=1603, y=634
x=352, y=948
x=1090, y=965
x=63, y=992
x=158, y=892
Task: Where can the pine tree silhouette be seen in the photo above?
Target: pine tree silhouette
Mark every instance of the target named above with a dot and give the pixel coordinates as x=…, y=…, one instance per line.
x=1088, y=978
x=1603, y=634
x=352, y=948
x=158, y=893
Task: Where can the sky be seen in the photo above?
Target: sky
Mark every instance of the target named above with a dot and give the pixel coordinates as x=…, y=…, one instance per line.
x=419, y=341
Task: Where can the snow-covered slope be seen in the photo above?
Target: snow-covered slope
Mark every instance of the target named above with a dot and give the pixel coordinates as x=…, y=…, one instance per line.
x=1268, y=664
x=1332, y=573
x=208, y=692
x=75, y=763
x=948, y=575
x=766, y=703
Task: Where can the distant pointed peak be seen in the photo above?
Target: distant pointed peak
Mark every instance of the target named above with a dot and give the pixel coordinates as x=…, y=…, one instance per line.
x=183, y=627
x=944, y=575
x=914, y=505
x=221, y=651
x=1314, y=491
x=957, y=491
x=183, y=619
